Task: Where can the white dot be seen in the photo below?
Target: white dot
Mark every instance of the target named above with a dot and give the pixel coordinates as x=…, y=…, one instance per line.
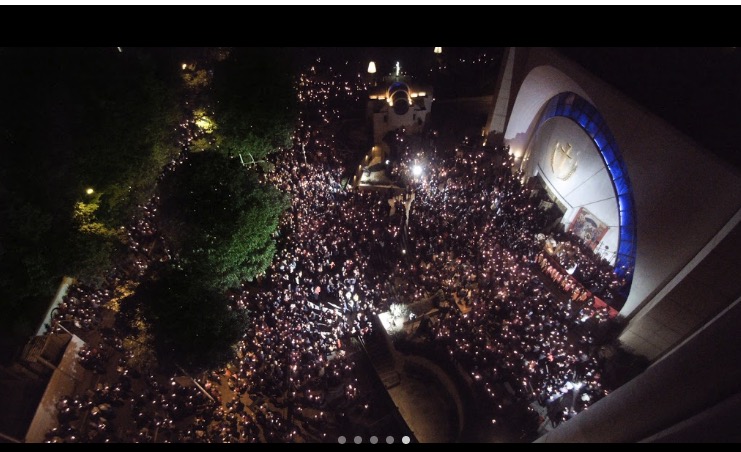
x=341, y=440
x=358, y=440
x=405, y=439
x=389, y=440
x=373, y=439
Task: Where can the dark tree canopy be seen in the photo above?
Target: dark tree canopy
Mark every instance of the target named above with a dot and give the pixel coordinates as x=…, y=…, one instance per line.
x=220, y=219
x=73, y=119
x=255, y=101
x=192, y=326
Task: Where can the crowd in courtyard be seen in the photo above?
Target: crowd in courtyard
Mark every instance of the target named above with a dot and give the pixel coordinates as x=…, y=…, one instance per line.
x=472, y=240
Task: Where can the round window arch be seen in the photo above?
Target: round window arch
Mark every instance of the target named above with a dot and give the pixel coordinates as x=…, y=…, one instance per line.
x=572, y=106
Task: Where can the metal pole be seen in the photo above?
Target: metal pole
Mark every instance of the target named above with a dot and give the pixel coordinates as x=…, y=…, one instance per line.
x=196, y=383
x=10, y=438
x=59, y=324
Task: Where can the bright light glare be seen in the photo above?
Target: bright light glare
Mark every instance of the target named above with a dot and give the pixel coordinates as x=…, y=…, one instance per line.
x=89, y=191
x=372, y=67
x=417, y=170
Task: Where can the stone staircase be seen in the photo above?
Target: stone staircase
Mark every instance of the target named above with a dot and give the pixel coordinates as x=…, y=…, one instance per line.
x=380, y=355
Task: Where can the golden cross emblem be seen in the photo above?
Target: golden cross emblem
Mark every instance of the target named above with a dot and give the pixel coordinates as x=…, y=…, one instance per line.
x=563, y=163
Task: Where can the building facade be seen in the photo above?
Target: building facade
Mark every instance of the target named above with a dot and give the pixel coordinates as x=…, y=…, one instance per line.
x=665, y=211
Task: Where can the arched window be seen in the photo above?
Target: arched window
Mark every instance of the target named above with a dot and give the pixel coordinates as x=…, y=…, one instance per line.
x=572, y=106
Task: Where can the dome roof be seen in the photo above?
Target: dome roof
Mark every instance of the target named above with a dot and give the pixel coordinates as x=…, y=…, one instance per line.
x=398, y=95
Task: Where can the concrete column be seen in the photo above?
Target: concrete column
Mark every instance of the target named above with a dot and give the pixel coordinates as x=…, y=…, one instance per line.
x=498, y=117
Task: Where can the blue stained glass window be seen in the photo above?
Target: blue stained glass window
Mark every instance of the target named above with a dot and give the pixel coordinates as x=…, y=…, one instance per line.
x=591, y=128
x=617, y=174
x=571, y=105
x=625, y=248
x=609, y=157
x=600, y=140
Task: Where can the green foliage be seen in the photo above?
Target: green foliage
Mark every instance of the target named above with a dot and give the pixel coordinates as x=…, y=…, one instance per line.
x=197, y=79
x=25, y=260
x=93, y=254
x=192, y=326
x=129, y=121
x=220, y=219
x=255, y=102
x=73, y=119
x=86, y=220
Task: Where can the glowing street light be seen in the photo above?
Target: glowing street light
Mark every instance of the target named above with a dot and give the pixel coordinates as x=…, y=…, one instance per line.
x=417, y=170
x=438, y=50
x=89, y=191
x=372, y=67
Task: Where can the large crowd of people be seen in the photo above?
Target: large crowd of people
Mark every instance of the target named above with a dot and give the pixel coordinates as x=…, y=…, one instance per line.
x=343, y=256
x=475, y=236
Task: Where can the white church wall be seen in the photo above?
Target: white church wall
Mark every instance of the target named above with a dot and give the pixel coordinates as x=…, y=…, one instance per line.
x=683, y=195
x=579, y=178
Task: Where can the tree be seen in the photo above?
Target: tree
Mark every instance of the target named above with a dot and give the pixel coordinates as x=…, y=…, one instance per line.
x=191, y=325
x=219, y=219
x=72, y=119
x=255, y=102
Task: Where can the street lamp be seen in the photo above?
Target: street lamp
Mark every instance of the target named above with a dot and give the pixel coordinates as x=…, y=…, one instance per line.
x=89, y=191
